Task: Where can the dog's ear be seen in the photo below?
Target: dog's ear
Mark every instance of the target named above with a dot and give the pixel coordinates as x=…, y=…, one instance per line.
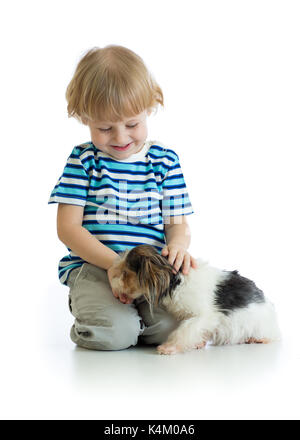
x=155, y=276
x=154, y=272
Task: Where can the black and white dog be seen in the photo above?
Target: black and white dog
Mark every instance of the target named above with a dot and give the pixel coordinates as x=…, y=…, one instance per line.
x=211, y=305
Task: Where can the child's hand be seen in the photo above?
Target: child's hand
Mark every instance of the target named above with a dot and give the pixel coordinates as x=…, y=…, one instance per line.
x=178, y=257
x=112, y=273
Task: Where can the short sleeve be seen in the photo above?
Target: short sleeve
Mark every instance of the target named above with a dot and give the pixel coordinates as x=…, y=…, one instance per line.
x=176, y=200
x=72, y=186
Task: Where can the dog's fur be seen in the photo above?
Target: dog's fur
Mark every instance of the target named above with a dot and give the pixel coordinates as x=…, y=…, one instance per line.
x=211, y=305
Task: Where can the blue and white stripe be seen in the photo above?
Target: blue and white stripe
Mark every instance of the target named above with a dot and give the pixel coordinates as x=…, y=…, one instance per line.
x=126, y=203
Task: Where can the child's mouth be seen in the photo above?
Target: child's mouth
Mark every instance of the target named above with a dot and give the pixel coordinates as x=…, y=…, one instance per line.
x=121, y=148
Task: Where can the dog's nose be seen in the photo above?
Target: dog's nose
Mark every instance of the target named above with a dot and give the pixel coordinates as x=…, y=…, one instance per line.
x=125, y=299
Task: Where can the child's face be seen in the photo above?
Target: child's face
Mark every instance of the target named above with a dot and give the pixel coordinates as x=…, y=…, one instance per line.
x=120, y=139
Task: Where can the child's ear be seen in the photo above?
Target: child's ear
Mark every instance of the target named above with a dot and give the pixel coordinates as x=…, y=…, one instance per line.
x=84, y=120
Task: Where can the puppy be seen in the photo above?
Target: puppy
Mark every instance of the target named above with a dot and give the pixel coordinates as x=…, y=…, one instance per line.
x=211, y=305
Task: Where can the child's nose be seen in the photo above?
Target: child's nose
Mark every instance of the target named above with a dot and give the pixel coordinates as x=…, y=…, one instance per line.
x=121, y=137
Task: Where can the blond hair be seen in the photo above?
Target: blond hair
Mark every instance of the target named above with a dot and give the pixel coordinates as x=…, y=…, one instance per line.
x=111, y=83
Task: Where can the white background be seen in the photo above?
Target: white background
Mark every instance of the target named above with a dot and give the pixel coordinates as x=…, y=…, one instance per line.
x=230, y=74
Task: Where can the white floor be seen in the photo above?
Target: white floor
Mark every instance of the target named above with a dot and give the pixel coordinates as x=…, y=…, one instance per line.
x=45, y=376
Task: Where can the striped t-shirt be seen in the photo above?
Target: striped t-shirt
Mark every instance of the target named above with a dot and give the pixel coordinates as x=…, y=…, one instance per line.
x=126, y=203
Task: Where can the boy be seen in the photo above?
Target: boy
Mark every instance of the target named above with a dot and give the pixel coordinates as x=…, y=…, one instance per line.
x=116, y=192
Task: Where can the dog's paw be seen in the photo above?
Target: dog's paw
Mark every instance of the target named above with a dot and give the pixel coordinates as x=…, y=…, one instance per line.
x=257, y=341
x=200, y=345
x=168, y=349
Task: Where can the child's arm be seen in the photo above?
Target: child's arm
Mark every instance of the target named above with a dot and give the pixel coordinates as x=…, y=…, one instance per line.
x=178, y=238
x=79, y=239
x=84, y=244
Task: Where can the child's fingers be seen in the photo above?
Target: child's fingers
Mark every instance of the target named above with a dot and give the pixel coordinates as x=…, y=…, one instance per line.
x=165, y=251
x=194, y=263
x=186, y=264
x=172, y=257
x=179, y=260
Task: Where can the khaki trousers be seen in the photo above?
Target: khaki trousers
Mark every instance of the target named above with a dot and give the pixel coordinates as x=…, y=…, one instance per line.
x=102, y=322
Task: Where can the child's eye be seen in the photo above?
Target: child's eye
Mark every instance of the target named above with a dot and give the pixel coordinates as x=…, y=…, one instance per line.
x=104, y=130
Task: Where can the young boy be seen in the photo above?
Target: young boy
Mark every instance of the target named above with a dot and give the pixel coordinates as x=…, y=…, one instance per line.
x=116, y=192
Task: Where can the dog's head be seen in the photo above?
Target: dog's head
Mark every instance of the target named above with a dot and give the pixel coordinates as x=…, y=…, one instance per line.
x=143, y=271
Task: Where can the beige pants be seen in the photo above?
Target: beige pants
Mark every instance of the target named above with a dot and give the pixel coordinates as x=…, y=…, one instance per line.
x=102, y=322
